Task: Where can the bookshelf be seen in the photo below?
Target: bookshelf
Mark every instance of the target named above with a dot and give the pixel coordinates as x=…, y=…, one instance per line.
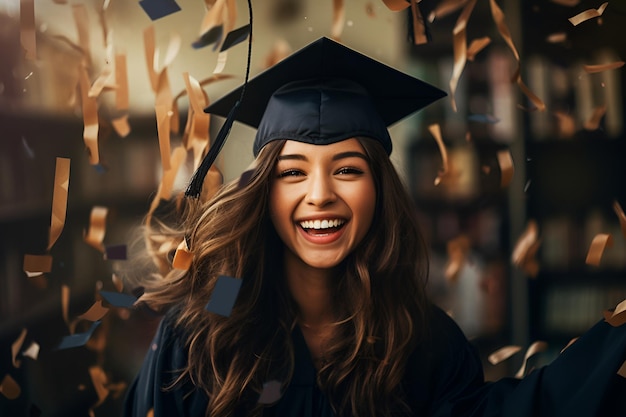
x=575, y=169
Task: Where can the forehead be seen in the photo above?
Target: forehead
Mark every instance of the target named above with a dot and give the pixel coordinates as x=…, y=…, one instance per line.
x=301, y=148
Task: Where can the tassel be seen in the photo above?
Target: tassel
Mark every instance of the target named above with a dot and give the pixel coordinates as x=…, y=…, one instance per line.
x=195, y=185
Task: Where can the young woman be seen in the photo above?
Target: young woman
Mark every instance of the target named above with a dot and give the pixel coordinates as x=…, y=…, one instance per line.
x=332, y=317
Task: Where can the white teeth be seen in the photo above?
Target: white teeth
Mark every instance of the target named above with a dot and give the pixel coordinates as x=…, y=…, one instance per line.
x=321, y=224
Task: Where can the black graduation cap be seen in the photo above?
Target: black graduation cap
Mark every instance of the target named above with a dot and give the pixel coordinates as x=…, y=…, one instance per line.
x=336, y=78
x=324, y=93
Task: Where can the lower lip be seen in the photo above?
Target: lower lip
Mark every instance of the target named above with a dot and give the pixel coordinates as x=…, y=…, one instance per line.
x=322, y=239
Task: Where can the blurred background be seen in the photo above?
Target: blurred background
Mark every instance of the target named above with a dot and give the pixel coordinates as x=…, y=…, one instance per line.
x=517, y=176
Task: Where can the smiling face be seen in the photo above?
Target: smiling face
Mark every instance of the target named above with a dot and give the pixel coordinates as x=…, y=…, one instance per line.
x=322, y=201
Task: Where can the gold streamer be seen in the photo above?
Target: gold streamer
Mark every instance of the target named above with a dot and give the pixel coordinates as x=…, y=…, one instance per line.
x=198, y=138
x=9, y=387
x=460, y=49
x=591, y=69
x=59, y=199
x=396, y=5
x=503, y=29
x=535, y=348
x=588, y=14
x=598, y=244
x=506, y=167
x=621, y=216
x=617, y=316
x=35, y=265
x=213, y=17
x=28, y=29
x=183, y=257
x=457, y=250
x=65, y=306
x=163, y=115
x=339, y=20
x=82, y=26
x=121, y=80
x=476, y=46
x=525, y=249
x=435, y=130
x=95, y=312
x=90, y=117
x=594, y=121
x=97, y=227
x=16, y=346
x=503, y=354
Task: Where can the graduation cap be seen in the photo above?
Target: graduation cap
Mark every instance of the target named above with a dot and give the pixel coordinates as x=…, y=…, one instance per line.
x=322, y=94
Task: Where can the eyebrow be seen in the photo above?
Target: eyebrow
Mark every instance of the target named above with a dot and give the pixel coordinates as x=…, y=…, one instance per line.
x=336, y=157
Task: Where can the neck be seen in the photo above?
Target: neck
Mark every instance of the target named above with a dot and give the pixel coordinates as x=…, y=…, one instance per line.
x=311, y=288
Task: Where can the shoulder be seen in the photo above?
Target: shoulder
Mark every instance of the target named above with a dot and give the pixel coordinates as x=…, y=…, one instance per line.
x=156, y=387
x=444, y=363
x=443, y=339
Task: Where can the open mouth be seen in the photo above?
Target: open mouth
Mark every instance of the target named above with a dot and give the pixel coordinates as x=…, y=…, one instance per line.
x=322, y=227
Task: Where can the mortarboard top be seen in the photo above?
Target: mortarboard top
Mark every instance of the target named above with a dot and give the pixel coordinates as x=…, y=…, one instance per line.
x=319, y=102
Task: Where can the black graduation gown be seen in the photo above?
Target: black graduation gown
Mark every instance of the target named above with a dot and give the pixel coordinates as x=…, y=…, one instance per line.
x=444, y=378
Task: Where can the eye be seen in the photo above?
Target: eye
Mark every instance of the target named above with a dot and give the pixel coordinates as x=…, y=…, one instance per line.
x=349, y=171
x=290, y=173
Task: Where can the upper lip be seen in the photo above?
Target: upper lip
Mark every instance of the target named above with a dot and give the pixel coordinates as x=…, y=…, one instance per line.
x=322, y=217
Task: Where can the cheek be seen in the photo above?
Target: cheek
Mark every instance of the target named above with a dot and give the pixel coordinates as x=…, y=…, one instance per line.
x=278, y=210
x=365, y=203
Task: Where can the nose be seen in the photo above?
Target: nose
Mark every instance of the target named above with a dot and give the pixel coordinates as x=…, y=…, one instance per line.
x=320, y=190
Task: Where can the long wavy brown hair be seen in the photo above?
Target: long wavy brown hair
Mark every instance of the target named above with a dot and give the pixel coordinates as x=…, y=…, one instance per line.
x=381, y=317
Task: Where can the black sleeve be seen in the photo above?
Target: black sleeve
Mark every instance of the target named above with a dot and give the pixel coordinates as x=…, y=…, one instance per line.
x=152, y=388
x=447, y=378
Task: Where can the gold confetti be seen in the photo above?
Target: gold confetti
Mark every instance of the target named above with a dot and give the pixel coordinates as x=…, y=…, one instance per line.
x=28, y=31
x=617, y=316
x=569, y=3
x=591, y=69
x=533, y=349
x=570, y=343
x=566, y=125
x=339, y=20
x=621, y=216
x=588, y=14
x=279, y=51
x=557, y=37
x=503, y=354
x=460, y=49
x=594, y=121
x=503, y=29
x=396, y=5
x=16, y=346
x=35, y=265
x=95, y=312
x=457, y=250
x=121, y=126
x=622, y=370
x=526, y=247
x=59, y=199
x=9, y=388
x=598, y=244
x=99, y=380
x=445, y=8
x=435, y=130
x=506, y=167
x=183, y=257
x=97, y=227
x=90, y=117
x=121, y=80
x=197, y=137
x=476, y=46
x=419, y=28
